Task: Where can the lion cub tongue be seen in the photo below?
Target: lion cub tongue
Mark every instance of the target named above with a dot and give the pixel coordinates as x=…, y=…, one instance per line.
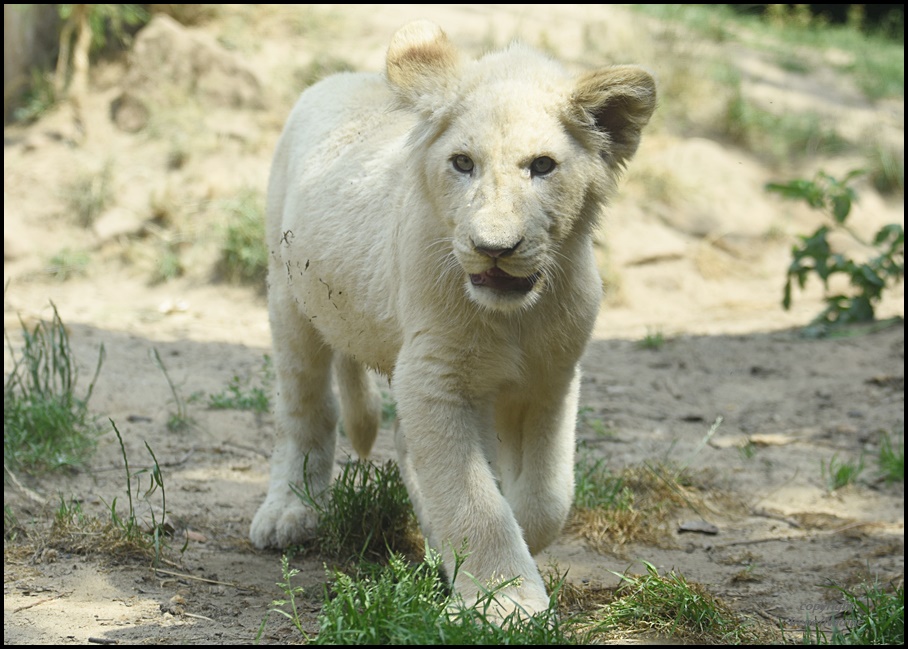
x=502, y=281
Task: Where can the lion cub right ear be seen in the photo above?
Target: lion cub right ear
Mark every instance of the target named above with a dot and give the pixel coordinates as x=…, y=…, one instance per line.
x=422, y=64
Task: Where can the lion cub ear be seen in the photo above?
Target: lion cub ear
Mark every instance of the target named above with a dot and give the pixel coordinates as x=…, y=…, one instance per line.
x=616, y=101
x=421, y=64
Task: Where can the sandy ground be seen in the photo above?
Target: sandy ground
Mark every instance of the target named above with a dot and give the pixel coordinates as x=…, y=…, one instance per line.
x=696, y=253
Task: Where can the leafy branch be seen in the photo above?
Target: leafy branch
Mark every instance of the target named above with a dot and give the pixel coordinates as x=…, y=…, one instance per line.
x=814, y=254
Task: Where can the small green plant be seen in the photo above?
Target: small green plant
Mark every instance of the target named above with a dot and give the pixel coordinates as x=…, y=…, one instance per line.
x=886, y=168
x=892, y=459
x=388, y=408
x=652, y=340
x=70, y=514
x=747, y=450
x=90, y=194
x=814, y=253
x=395, y=603
x=595, y=487
x=159, y=529
x=281, y=606
x=11, y=527
x=401, y=602
x=179, y=420
x=584, y=416
x=747, y=574
x=121, y=536
x=837, y=474
x=366, y=514
x=130, y=527
x=169, y=265
x=45, y=424
x=68, y=263
x=876, y=617
x=238, y=396
x=244, y=256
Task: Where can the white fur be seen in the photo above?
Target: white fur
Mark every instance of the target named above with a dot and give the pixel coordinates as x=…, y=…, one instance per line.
x=374, y=234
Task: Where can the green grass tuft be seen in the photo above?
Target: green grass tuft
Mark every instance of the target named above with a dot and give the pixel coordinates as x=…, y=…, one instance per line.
x=121, y=536
x=892, y=458
x=838, y=474
x=876, y=617
x=244, y=255
x=179, y=420
x=367, y=514
x=90, y=194
x=68, y=263
x=406, y=603
x=653, y=340
x=46, y=425
x=239, y=396
x=597, y=487
x=668, y=606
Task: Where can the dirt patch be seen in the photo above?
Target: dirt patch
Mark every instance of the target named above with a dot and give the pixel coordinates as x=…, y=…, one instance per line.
x=765, y=533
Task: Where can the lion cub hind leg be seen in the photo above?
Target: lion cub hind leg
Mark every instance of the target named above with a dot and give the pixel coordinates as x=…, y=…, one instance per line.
x=360, y=403
x=305, y=416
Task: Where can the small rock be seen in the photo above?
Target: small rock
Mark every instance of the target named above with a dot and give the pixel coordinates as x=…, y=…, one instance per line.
x=701, y=527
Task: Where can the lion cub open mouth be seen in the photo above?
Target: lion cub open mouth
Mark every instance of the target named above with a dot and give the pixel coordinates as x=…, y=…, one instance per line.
x=503, y=281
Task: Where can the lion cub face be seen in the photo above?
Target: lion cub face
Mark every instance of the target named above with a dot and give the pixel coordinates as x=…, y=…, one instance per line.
x=509, y=181
x=517, y=156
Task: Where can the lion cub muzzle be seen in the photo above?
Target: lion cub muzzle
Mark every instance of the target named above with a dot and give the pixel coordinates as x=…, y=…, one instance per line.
x=503, y=271
x=496, y=277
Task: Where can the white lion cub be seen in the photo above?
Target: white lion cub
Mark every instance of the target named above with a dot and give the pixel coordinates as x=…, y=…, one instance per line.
x=435, y=224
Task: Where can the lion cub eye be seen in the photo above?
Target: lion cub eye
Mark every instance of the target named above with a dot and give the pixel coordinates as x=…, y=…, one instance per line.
x=541, y=166
x=462, y=163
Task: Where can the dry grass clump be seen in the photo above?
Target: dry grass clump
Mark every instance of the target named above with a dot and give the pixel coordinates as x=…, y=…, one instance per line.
x=612, y=511
x=74, y=532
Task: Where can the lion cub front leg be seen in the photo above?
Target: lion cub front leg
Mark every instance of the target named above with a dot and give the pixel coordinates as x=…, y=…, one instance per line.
x=536, y=434
x=459, y=502
x=305, y=415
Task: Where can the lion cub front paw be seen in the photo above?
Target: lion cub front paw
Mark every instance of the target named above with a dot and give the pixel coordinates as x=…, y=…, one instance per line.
x=282, y=522
x=508, y=605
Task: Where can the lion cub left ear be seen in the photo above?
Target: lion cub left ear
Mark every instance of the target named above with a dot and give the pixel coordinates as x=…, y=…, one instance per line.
x=422, y=64
x=616, y=101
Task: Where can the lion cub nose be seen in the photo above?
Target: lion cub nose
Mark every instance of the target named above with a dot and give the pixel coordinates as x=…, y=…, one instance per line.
x=494, y=251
